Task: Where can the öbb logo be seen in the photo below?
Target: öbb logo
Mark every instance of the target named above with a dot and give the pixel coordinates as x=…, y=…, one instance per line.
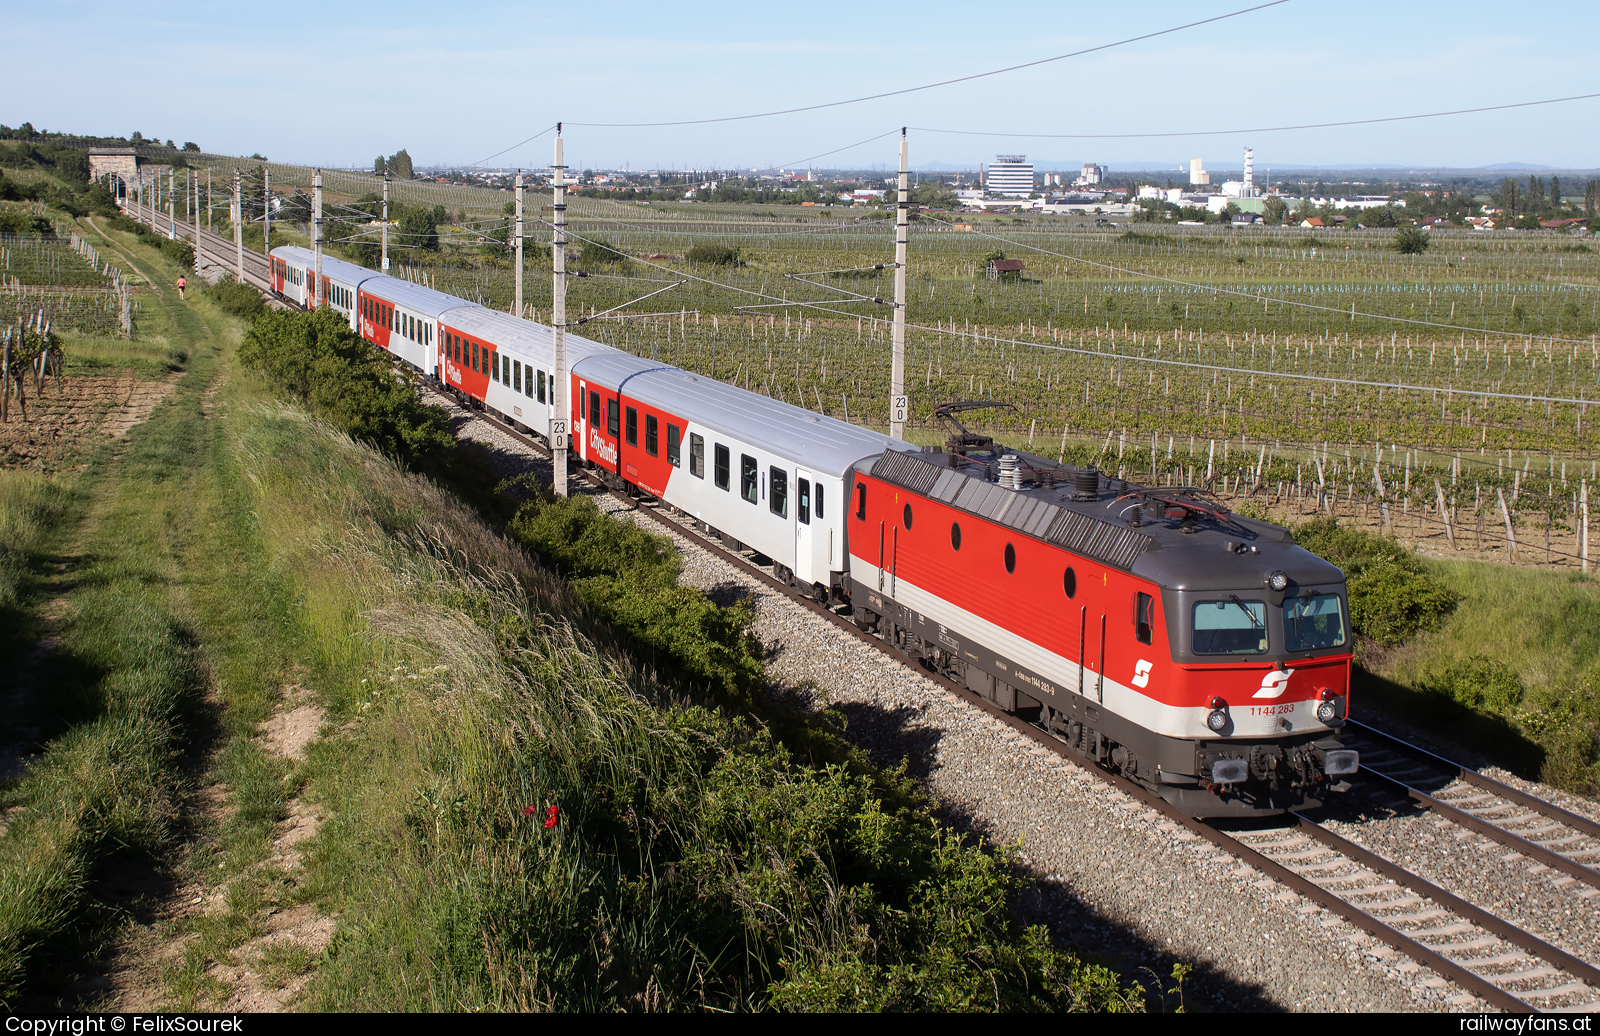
x=1141, y=673
x=1274, y=683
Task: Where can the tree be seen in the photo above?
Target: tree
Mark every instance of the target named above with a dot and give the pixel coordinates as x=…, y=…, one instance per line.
x=418, y=228
x=1507, y=196
x=1411, y=241
x=1555, y=192
x=190, y=145
x=400, y=165
x=379, y=165
x=1274, y=209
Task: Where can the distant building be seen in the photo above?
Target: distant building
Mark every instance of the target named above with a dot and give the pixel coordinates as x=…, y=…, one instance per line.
x=1091, y=174
x=1198, y=177
x=1010, y=176
x=1003, y=267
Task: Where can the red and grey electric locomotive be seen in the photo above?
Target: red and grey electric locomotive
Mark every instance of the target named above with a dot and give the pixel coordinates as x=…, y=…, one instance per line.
x=1201, y=654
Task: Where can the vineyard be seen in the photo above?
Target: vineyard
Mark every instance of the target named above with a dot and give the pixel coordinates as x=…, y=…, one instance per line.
x=63, y=282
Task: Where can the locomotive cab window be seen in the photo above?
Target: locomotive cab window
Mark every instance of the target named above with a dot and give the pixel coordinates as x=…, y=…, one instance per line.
x=802, y=505
x=674, y=446
x=1230, y=627
x=1312, y=622
x=1143, y=617
x=722, y=473
x=747, y=477
x=861, y=500
x=697, y=455
x=652, y=441
x=611, y=418
x=633, y=427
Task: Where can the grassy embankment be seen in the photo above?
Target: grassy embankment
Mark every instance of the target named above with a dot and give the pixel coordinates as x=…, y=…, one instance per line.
x=159, y=663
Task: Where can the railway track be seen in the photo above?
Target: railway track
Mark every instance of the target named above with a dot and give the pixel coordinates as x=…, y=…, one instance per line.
x=214, y=248
x=1493, y=959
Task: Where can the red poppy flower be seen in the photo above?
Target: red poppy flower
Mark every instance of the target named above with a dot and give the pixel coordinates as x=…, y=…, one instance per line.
x=551, y=815
x=529, y=811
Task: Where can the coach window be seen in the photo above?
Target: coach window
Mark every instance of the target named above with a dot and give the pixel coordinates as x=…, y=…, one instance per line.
x=697, y=455
x=516, y=376
x=594, y=408
x=494, y=366
x=747, y=477
x=1069, y=582
x=1011, y=558
x=778, y=498
x=955, y=535
x=652, y=442
x=674, y=446
x=475, y=356
x=1143, y=617
x=611, y=418
x=816, y=504
x=541, y=386
x=633, y=427
x=721, y=473
x=802, y=504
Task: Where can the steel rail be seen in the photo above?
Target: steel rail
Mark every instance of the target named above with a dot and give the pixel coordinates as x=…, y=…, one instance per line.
x=1489, y=784
x=1489, y=829
x=1397, y=938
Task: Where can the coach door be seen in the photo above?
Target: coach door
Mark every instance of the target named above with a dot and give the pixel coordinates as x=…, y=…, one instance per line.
x=580, y=427
x=809, y=532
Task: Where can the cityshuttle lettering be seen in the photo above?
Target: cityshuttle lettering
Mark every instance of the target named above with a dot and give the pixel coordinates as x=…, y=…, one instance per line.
x=600, y=448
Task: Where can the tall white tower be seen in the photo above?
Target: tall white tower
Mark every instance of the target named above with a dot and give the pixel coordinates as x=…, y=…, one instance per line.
x=1249, y=173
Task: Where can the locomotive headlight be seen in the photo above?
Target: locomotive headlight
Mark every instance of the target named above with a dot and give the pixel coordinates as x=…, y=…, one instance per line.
x=1278, y=581
x=1218, y=718
x=1328, y=707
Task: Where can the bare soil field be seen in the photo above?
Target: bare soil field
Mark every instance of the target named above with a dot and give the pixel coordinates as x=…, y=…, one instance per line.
x=76, y=415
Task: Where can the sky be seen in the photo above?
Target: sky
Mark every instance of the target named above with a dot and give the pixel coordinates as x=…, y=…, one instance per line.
x=338, y=83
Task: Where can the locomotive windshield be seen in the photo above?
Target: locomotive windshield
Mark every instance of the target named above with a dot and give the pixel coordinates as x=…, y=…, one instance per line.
x=1313, y=622
x=1230, y=627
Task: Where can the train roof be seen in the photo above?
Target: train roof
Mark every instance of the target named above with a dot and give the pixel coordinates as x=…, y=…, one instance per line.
x=1189, y=551
x=822, y=444
x=337, y=269
x=508, y=332
x=427, y=301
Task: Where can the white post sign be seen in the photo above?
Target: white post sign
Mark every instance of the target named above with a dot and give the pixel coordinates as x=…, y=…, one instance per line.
x=558, y=435
x=899, y=409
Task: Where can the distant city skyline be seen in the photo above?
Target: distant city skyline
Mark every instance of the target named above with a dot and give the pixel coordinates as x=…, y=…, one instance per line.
x=452, y=91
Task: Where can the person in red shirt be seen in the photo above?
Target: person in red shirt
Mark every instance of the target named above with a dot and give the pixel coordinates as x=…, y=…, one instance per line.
x=181, y=284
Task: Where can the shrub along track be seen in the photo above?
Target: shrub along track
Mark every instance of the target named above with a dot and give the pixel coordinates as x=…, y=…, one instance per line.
x=1496, y=962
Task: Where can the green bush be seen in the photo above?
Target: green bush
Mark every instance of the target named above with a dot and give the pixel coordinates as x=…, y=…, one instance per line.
x=1411, y=241
x=1391, y=597
x=320, y=361
x=630, y=578
x=241, y=300
x=713, y=255
x=1478, y=682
